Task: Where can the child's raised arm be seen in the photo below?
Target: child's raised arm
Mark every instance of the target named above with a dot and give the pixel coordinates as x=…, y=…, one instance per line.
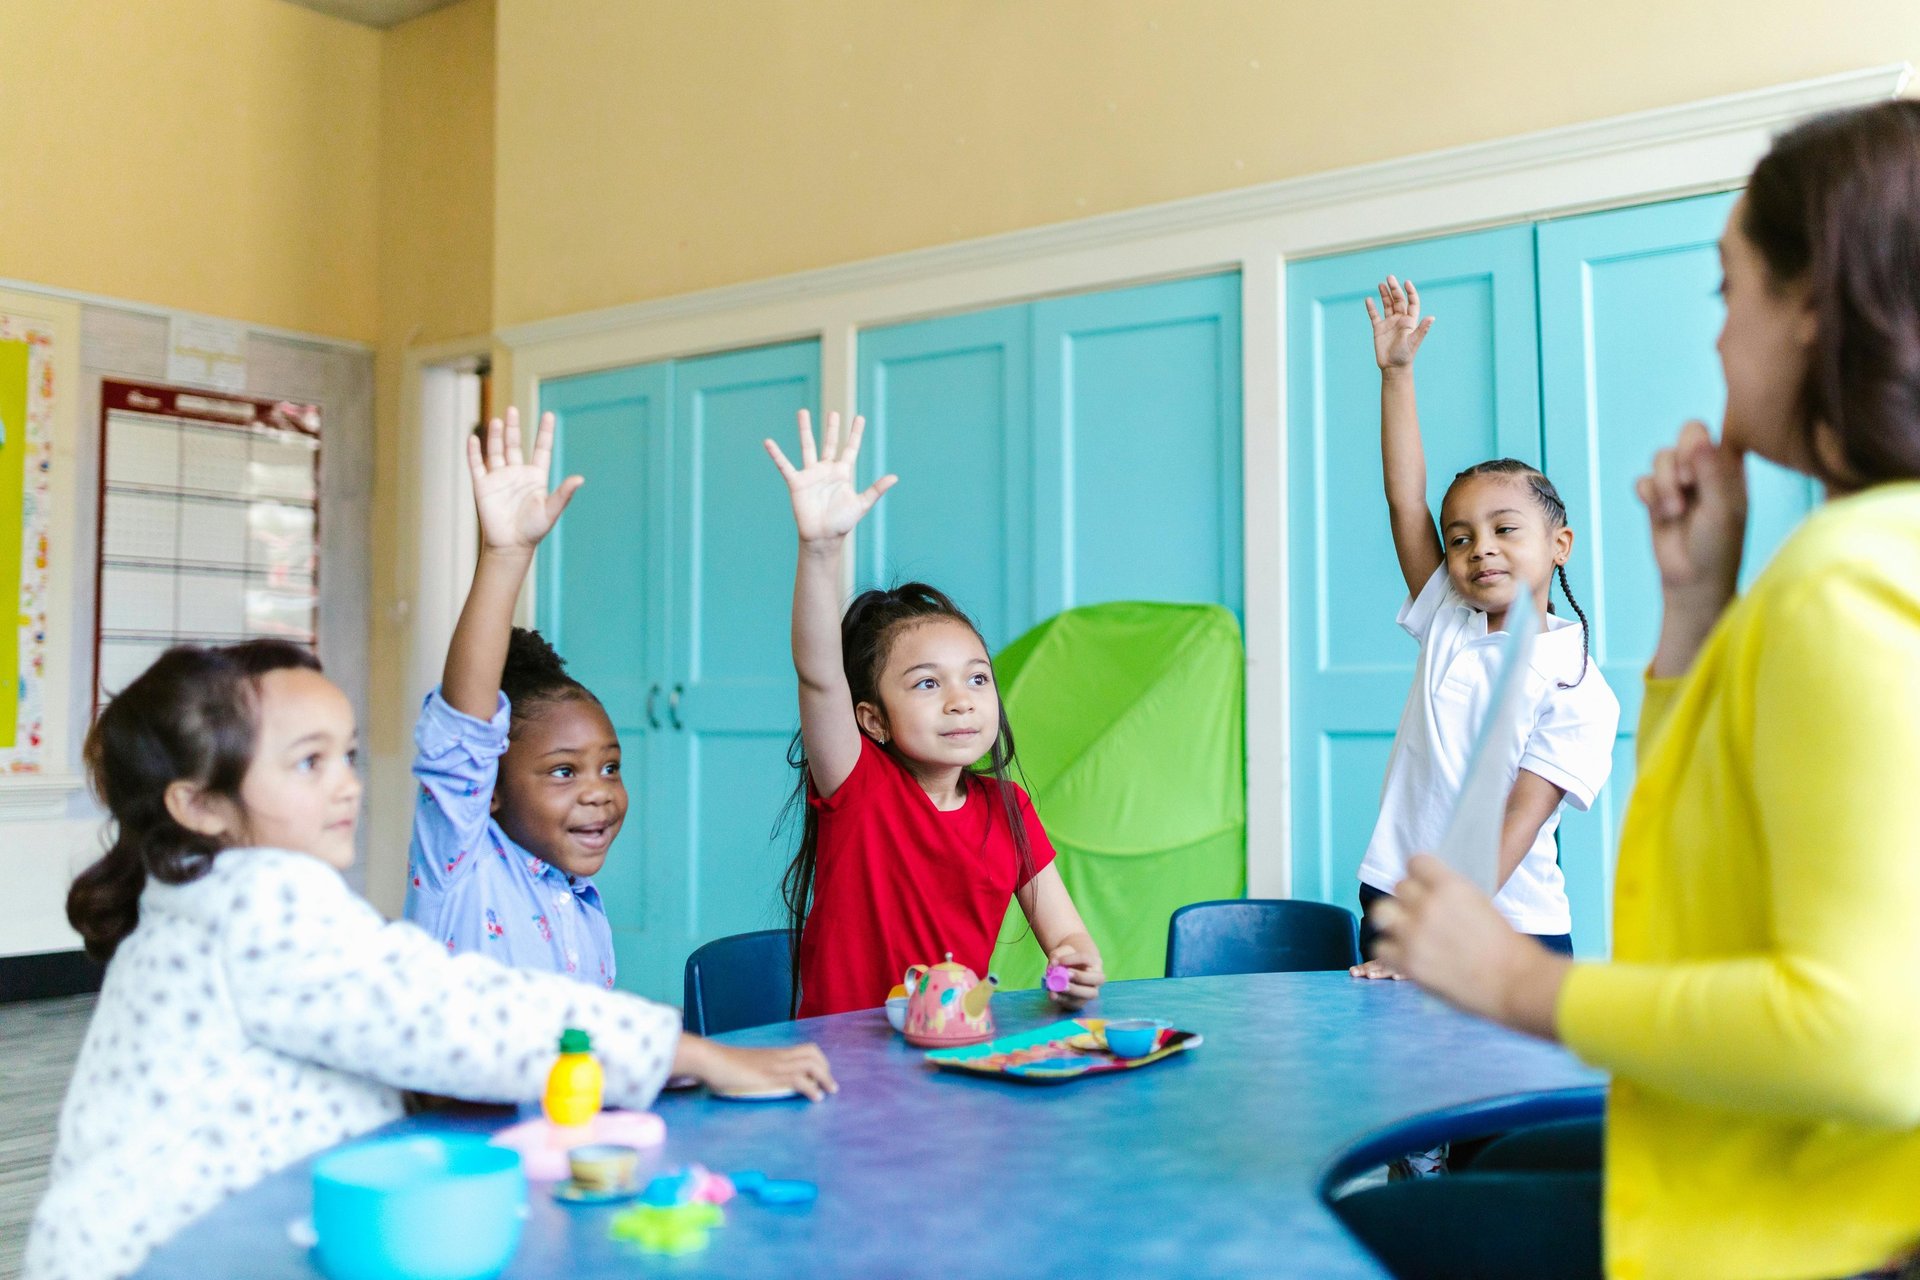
x=826, y=507
x=1398, y=332
x=516, y=512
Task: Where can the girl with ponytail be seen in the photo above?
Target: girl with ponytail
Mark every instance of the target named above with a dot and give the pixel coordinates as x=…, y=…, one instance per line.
x=915, y=836
x=256, y=1009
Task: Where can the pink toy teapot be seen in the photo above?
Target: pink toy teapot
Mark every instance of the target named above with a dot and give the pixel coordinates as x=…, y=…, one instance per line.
x=947, y=1005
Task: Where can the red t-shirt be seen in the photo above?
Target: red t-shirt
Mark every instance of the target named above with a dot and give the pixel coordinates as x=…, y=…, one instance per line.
x=898, y=882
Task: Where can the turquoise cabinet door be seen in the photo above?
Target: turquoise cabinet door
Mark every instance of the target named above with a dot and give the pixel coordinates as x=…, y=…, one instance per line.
x=732, y=703
x=1629, y=313
x=1137, y=463
x=602, y=602
x=1351, y=665
x=947, y=407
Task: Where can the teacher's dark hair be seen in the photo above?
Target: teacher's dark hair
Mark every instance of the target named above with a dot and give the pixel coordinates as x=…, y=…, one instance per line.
x=188, y=716
x=1836, y=204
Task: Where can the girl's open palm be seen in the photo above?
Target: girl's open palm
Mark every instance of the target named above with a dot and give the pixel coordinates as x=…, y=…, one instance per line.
x=1398, y=329
x=825, y=503
x=510, y=492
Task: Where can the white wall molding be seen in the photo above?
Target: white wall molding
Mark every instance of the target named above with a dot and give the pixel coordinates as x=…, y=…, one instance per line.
x=1650, y=155
x=30, y=796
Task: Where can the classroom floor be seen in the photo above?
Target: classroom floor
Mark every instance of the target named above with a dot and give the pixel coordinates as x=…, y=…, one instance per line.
x=39, y=1040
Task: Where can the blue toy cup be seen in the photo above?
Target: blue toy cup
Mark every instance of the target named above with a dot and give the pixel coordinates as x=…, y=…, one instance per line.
x=1134, y=1037
x=418, y=1208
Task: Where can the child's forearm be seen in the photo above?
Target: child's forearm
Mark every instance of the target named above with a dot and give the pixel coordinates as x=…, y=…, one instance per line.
x=478, y=653
x=816, y=616
x=1403, y=459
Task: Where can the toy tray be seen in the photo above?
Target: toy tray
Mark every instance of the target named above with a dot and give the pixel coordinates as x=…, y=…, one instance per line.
x=1069, y=1050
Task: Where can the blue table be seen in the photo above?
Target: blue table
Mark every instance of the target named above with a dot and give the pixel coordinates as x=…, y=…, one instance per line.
x=1211, y=1163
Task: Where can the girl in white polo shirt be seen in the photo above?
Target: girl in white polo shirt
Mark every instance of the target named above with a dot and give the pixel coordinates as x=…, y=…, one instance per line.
x=1503, y=530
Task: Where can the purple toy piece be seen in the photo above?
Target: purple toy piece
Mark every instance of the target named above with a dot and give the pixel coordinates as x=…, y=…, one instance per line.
x=1058, y=978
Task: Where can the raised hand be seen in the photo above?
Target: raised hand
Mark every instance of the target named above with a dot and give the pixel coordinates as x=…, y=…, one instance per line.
x=1696, y=499
x=1398, y=329
x=826, y=506
x=510, y=492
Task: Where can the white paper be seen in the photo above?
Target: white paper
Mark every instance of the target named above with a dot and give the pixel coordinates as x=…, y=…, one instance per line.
x=1472, y=843
x=207, y=353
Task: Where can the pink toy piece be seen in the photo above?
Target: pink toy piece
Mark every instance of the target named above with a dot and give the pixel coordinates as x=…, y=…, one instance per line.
x=543, y=1146
x=947, y=1005
x=1058, y=978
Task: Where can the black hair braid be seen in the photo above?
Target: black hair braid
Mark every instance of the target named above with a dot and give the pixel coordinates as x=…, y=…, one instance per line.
x=1586, y=634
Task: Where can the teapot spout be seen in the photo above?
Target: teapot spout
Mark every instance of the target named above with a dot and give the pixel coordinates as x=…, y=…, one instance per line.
x=975, y=1001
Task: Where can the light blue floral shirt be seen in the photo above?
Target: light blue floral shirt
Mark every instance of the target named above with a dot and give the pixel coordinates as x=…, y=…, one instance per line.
x=469, y=884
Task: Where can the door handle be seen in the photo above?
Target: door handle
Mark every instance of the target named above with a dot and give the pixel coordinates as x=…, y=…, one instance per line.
x=653, y=696
x=673, y=706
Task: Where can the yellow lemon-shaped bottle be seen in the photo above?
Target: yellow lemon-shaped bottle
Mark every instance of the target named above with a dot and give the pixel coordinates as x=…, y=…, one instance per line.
x=575, y=1084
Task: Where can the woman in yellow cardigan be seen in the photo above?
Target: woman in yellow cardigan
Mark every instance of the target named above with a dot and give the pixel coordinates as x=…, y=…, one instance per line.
x=1761, y=1015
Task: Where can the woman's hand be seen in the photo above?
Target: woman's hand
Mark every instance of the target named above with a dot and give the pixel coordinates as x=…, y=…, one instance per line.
x=826, y=506
x=1696, y=500
x=1398, y=329
x=727, y=1069
x=1085, y=975
x=509, y=492
x=1445, y=934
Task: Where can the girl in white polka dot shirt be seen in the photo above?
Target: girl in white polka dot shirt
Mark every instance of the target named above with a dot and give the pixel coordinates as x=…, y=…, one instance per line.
x=256, y=1010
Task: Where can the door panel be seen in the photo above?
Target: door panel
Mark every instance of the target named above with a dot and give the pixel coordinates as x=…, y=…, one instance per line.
x=1479, y=398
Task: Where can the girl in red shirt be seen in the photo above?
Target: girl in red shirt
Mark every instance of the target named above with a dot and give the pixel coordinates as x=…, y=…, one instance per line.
x=911, y=847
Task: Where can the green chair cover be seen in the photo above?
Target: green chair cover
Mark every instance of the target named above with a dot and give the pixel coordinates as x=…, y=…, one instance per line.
x=1129, y=720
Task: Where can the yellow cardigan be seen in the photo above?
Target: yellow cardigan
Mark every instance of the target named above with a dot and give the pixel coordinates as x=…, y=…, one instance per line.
x=1761, y=1017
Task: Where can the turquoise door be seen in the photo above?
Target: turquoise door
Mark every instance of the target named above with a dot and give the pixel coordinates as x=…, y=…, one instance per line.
x=948, y=407
x=733, y=703
x=667, y=588
x=602, y=600
x=1137, y=488
x=1060, y=453
x=1629, y=312
x=1479, y=398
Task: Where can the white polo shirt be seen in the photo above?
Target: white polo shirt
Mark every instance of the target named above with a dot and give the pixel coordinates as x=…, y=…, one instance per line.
x=1570, y=744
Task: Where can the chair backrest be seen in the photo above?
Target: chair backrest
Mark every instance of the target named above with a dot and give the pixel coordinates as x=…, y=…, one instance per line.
x=1260, y=935
x=740, y=981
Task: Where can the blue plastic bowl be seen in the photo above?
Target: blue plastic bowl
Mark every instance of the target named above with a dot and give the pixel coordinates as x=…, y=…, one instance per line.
x=1134, y=1037
x=418, y=1208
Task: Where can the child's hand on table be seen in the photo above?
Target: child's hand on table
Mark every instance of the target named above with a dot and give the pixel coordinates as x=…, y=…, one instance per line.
x=1084, y=976
x=1375, y=969
x=727, y=1069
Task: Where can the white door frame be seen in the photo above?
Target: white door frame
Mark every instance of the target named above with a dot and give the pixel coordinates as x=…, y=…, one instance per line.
x=1709, y=145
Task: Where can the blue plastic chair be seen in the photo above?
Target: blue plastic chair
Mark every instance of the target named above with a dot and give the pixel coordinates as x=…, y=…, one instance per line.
x=1260, y=935
x=740, y=981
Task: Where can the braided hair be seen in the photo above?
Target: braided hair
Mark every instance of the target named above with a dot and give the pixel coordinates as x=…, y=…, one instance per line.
x=535, y=676
x=1556, y=510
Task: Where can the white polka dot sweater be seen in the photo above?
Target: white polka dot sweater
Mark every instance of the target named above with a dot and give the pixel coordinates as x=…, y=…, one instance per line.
x=264, y=1012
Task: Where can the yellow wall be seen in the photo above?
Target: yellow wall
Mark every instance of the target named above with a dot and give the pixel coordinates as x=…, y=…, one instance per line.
x=647, y=150
x=218, y=156
x=436, y=283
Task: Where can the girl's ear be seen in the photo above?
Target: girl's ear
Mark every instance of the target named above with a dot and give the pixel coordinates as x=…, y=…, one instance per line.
x=1562, y=544
x=189, y=805
x=872, y=721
